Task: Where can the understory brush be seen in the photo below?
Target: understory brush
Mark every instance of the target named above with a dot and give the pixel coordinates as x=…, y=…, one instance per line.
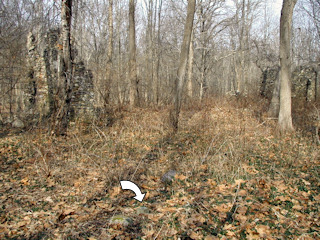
x=236, y=178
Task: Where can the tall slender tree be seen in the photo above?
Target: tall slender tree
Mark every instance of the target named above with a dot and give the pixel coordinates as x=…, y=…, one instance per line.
x=285, y=118
x=156, y=84
x=190, y=68
x=134, y=94
x=180, y=77
x=66, y=81
x=109, y=54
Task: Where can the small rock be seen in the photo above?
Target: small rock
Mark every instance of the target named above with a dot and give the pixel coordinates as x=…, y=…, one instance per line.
x=17, y=123
x=120, y=220
x=143, y=210
x=168, y=176
x=9, y=120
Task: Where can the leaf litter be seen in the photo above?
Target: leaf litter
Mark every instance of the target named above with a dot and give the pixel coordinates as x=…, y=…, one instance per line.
x=235, y=179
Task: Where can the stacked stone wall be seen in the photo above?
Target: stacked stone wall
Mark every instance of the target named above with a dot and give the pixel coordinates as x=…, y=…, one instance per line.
x=44, y=66
x=304, y=83
x=303, y=80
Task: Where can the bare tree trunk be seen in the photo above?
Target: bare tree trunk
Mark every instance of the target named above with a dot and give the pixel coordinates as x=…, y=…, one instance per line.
x=190, y=68
x=179, y=81
x=317, y=80
x=158, y=54
x=110, y=53
x=204, y=28
x=119, y=62
x=285, y=119
x=149, y=52
x=65, y=35
x=63, y=114
x=242, y=41
x=134, y=95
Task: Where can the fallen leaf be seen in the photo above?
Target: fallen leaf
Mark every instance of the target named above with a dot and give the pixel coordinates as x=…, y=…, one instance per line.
x=297, y=207
x=263, y=230
x=180, y=177
x=210, y=237
x=64, y=214
x=50, y=182
x=48, y=199
x=144, y=186
x=168, y=209
x=243, y=193
x=211, y=182
x=239, y=181
x=305, y=182
x=228, y=227
x=103, y=204
x=195, y=235
x=147, y=195
x=115, y=191
x=25, y=181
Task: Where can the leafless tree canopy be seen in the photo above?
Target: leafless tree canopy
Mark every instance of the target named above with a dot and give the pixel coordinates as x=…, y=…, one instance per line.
x=234, y=46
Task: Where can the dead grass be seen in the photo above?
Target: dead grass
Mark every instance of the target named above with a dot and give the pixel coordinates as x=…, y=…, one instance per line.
x=69, y=187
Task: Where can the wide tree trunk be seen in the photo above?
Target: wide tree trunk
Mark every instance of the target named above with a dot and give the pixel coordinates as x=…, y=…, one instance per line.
x=285, y=118
x=179, y=81
x=134, y=94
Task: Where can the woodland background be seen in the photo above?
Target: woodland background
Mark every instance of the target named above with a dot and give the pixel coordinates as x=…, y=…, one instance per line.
x=233, y=43
x=67, y=137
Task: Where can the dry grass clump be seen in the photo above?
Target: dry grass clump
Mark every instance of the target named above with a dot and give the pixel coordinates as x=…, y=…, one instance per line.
x=225, y=154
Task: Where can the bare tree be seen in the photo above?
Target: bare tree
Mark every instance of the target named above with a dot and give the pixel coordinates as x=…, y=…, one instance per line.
x=62, y=116
x=285, y=119
x=158, y=54
x=312, y=8
x=208, y=12
x=179, y=80
x=219, y=61
x=310, y=37
x=149, y=63
x=14, y=24
x=190, y=68
x=109, y=54
x=134, y=94
x=243, y=18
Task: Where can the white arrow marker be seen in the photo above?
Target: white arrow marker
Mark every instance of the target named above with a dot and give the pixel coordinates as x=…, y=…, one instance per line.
x=128, y=185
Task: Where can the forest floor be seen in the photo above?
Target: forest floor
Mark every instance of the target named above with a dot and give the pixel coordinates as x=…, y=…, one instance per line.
x=237, y=178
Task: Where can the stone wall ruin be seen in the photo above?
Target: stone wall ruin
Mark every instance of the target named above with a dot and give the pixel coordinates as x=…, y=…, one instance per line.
x=44, y=64
x=305, y=83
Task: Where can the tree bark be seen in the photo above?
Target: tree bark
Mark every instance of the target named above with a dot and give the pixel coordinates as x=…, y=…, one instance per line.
x=63, y=114
x=158, y=53
x=190, y=68
x=179, y=81
x=134, y=94
x=285, y=118
x=203, y=80
x=149, y=52
x=109, y=54
x=66, y=35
